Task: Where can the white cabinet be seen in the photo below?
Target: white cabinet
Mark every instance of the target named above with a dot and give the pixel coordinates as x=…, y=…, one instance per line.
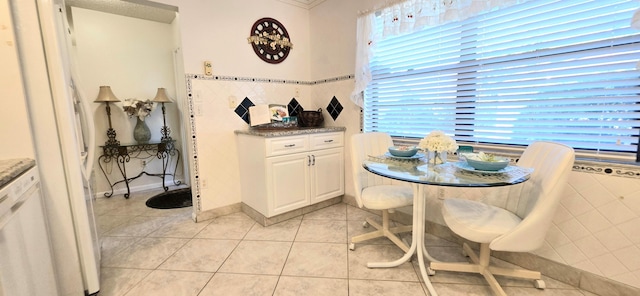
x=26, y=263
x=281, y=174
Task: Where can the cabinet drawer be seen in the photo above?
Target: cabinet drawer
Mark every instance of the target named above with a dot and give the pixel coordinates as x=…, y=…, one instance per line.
x=326, y=140
x=286, y=145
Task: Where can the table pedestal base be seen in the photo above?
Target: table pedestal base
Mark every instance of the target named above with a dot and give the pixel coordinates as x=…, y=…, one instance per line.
x=417, y=241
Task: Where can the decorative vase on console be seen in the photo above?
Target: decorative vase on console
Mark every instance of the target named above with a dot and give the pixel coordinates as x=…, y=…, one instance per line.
x=140, y=109
x=141, y=133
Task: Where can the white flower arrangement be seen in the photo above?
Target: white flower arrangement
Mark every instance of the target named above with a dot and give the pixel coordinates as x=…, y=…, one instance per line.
x=437, y=141
x=135, y=107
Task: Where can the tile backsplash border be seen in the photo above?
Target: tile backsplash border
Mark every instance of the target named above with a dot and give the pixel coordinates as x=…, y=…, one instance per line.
x=609, y=169
x=267, y=80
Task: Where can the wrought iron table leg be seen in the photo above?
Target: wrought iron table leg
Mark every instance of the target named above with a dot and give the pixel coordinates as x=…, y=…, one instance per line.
x=175, y=168
x=122, y=160
x=105, y=159
x=164, y=157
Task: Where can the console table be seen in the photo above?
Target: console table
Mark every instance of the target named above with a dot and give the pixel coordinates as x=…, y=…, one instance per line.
x=122, y=154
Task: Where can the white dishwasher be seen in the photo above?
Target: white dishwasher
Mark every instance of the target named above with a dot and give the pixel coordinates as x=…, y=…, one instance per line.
x=26, y=265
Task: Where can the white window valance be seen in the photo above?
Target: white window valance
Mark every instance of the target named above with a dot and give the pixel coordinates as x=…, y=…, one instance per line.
x=406, y=17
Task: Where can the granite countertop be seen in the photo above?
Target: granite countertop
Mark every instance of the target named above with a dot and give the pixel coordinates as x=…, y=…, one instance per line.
x=11, y=168
x=281, y=132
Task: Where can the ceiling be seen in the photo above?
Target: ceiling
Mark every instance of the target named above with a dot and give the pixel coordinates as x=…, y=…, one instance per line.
x=141, y=9
x=152, y=11
x=308, y=4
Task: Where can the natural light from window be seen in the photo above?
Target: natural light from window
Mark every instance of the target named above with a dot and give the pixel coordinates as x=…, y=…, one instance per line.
x=561, y=71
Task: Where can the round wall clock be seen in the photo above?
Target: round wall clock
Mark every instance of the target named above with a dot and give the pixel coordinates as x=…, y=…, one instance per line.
x=270, y=40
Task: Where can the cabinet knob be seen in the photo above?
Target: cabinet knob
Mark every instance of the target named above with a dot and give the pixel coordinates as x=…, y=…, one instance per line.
x=290, y=145
x=328, y=141
x=313, y=162
x=308, y=160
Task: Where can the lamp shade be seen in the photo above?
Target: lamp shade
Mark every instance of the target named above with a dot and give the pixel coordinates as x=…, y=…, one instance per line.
x=161, y=96
x=106, y=95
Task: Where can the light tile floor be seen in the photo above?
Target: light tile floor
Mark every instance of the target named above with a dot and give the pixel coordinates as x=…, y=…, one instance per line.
x=163, y=252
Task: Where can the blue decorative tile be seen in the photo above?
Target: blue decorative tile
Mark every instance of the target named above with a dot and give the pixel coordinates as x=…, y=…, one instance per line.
x=334, y=108
x=294, y=107
x=243, y=109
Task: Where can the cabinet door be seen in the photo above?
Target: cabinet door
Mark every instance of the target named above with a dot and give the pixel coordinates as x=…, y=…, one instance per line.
x=26, y=266
x=287, y=182
x=327, y=174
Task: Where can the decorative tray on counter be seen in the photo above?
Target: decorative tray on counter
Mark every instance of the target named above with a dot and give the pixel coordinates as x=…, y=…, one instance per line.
x=275, y=126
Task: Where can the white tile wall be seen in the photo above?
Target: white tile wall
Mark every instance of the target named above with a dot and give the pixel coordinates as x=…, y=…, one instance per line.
x=596, y=228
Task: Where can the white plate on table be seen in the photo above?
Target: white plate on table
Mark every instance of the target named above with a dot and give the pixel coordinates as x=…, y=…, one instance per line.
x=466, y=167
x=416, y=156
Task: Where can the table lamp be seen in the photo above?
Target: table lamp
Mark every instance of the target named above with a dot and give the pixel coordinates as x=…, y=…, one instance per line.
x=161, y=97
x=106, y=96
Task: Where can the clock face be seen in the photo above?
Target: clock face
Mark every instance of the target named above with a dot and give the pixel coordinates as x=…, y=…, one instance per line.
x=270, y=40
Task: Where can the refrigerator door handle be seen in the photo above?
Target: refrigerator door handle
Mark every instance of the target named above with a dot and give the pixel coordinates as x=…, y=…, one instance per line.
x=91, y=149
x=87, y=120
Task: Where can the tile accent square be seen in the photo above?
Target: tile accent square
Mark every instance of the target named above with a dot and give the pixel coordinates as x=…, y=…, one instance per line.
x=334, y=108
x=243, y=109
x=294, y=107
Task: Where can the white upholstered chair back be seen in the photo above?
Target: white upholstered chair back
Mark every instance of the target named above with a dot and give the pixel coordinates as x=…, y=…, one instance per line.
x=536, y=200
x=363, y=145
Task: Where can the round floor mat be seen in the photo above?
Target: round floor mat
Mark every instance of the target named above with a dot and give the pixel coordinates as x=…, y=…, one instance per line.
x=179, y=198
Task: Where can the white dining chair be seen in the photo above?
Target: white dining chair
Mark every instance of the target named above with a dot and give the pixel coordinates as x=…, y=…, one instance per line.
x=521, y=226
x=377, y=193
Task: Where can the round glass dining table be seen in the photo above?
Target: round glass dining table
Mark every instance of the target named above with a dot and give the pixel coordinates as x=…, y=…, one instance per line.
x=420, y=173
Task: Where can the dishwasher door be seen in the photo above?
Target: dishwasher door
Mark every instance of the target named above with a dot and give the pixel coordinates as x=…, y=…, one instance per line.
x=26, y=265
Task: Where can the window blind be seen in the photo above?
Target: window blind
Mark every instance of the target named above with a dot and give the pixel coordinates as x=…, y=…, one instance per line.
x=561, y=71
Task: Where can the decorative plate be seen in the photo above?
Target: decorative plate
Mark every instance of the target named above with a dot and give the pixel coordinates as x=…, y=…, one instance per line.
x=466, y=167
x=278, y=112
x=416, y=156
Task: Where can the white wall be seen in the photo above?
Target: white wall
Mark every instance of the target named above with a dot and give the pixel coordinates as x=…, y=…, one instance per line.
x=333, y=27
x=135, y=58
x=15, y=122
x=217, y=31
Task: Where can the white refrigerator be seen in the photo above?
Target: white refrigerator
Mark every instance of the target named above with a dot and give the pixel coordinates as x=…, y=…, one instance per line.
x=64, y=142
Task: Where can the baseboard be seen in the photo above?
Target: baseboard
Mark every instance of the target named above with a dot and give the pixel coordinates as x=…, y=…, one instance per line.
x=266, y=221
x=217, y=212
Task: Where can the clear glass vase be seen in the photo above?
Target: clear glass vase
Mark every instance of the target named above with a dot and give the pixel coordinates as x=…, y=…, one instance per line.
x=437, y=157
